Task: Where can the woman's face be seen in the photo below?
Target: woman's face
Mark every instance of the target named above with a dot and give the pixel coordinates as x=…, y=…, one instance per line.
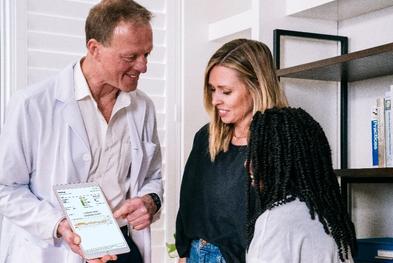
x=230, y=96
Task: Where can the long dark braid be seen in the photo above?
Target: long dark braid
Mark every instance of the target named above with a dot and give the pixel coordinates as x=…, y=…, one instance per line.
x=289, y=157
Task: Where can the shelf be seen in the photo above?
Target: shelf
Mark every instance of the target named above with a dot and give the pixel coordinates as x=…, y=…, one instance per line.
x=366, y=175
x=361, y=176
x=336, y=10
x=369, y=63
x=231, y=25
x=248, y=20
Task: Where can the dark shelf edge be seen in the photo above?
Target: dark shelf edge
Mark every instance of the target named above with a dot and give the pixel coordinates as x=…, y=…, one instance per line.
x=365, y=172
x=338, y=60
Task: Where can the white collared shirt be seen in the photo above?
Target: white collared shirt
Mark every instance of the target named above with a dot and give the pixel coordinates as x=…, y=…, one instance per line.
x=110, y=144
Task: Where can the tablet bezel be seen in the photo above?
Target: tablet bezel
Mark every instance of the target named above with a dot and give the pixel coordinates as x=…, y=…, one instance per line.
x=117, y=251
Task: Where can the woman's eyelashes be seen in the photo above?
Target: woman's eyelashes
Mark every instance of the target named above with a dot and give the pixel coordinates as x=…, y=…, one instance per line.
x=220, y=90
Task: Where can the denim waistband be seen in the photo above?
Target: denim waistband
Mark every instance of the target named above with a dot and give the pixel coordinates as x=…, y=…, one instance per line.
x=200, y=243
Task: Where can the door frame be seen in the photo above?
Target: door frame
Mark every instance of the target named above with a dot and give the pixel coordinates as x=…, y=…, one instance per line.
x=13, y=50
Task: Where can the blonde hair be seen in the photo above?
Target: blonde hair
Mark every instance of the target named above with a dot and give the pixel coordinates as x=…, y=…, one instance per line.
x=253, y=62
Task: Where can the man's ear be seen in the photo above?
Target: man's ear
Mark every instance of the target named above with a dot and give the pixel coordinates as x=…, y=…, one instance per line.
x=93, y=48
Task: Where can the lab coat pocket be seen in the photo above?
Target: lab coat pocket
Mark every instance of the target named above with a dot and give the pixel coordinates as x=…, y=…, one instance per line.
x=148, y=155
x=149, y=148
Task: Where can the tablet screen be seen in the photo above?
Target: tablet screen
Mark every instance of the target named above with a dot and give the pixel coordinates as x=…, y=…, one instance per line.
x=91, y=218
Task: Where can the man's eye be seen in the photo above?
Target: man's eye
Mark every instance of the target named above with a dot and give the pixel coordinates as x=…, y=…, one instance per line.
x=129, y=59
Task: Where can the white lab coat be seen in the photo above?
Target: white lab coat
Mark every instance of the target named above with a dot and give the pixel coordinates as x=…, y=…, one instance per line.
x=44, y=143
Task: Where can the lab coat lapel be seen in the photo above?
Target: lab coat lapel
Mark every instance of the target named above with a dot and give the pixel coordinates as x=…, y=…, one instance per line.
x=73, y=118
x=65, y=93
x=135, y=116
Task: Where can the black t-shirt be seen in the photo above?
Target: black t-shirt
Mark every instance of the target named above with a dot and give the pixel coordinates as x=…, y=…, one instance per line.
x=213, y=200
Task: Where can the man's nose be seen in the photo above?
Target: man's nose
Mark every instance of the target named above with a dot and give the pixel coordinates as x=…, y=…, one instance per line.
x=141, y=64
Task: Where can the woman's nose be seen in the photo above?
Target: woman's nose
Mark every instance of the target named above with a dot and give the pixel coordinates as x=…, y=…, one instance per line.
x=216, y=99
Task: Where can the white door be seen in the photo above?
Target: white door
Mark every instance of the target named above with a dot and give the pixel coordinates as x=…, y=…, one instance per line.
x=40, y=37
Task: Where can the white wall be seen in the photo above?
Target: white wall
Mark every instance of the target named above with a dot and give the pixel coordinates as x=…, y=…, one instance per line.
x=197, y=50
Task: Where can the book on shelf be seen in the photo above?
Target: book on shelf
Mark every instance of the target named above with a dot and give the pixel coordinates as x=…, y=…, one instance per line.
x=370, y=249
x=388, y=130
x=374, y=135
x=385, y=253
x=381, y=132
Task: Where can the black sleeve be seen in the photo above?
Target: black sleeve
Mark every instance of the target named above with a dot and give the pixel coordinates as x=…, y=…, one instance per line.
x=182, y=241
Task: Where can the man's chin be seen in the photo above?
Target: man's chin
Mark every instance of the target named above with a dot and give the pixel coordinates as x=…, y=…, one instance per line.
x=128, y=88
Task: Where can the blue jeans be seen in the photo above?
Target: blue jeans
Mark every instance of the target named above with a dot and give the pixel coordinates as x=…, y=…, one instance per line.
x=203, y=252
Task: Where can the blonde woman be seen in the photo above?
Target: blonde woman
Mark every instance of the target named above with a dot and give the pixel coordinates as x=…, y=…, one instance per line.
x=211, y=222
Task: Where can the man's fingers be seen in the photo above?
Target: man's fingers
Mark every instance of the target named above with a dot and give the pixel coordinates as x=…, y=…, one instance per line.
x=109, y=257
x=137, y=214
x=141, y=226
x=141, y=221
x=73, y=240
x=120, y=213
x=127, y=208
x=137, y=221
x=77, y=239
x=104, y=259
x=76, y=249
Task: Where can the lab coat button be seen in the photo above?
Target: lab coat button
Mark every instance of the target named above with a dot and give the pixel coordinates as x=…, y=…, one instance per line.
x=86, y=157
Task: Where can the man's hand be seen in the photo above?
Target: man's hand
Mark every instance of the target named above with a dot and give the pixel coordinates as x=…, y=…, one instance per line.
x=182, y=260
x=73, y=240
x=104, y=259
x=138, y=211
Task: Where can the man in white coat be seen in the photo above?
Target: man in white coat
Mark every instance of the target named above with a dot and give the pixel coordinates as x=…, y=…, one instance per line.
x=87, y=124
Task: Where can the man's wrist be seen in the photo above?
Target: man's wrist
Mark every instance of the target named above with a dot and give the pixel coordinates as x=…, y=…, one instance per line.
x=56, y=232
x=156, y=200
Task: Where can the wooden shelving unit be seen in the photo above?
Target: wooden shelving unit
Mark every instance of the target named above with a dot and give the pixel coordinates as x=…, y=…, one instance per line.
x=334, y=9
x=361, y=176
x=365, y=64
x=364, y=174
x=360, y=65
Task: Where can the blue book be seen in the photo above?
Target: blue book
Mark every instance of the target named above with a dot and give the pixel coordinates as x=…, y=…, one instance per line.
x=374, y=136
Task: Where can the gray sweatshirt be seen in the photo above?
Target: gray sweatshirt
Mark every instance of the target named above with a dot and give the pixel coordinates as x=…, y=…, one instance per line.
x=287, y=234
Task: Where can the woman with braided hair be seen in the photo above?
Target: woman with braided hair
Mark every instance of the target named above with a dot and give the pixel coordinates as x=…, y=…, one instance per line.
x=240, y=79
x=299, y=214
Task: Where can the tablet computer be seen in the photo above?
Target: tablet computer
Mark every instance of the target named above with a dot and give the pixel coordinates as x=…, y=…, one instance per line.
x=90, y=216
